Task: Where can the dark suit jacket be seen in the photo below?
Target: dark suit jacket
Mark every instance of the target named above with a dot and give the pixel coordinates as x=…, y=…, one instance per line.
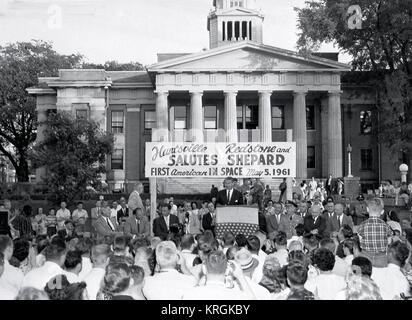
x=273, y=225
x=207, y=222
x=345, y=220
x=236, y=198
x=131, y=228
x=160, y=228
x=120, y=214
x=103, y=229
x=309, y=225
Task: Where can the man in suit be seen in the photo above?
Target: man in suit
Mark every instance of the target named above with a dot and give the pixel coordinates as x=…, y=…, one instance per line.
x=134, y=198
x=162, y=224
x=137, y=226
x=229, y=196
x=339, y=219
x=328, y=216
x=277, y=221
x=123, y=213
x=209, y=218
x=105, y=225
x=315, y=223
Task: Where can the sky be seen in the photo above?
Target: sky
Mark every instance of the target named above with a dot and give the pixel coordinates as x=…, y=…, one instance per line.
x=133, y=30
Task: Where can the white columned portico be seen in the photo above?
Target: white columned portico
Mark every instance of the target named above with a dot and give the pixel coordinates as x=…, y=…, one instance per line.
x=265, y=117
x=196, y=116
x=334, y=134
x=300, y=133
x=230, y=116
x=162, y=116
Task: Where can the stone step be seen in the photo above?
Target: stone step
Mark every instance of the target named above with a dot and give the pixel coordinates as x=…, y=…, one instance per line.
x=203, y=185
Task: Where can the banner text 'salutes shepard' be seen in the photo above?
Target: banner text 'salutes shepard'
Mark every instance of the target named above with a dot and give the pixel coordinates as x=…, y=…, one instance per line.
x=168, y=159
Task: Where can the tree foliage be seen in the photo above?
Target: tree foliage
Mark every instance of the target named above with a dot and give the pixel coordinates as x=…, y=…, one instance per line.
x=74, y=153
x=382, y=46
x=115, y=66
x=20, y=65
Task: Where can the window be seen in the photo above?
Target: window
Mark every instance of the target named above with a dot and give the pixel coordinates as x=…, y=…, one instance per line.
x=117, y=159
x=247, y=117
x=366, y=122
x=81, y=114
x=311, y=164
x=149, y=120
x=236, y=3
x=117, y=121
x=210, y=116
x=180, y=117
x=366, y=159
x=278, y=117
x=310, y=117
x=251, y=117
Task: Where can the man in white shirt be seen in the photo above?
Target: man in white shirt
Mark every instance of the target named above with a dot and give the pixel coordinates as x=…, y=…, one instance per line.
x=12, y=277
x=62, y=215
x=168, y=283
x=248, y=264
x=73, y=266
x=253, y=245
x=6, y=293
x=215, y=287
x=390, y=280
x=100, y=258
x=326, y=284
x=187, y=245
x=39, y=277
x=84, y=245
x=79, y=212
x=281, y=252
x=340, y=267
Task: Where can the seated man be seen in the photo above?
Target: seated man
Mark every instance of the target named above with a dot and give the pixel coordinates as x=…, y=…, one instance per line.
x=105, y=225
x=137, y=225
x=162, y=224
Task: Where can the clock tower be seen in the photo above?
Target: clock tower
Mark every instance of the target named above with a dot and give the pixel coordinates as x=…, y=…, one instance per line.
x=234, y=20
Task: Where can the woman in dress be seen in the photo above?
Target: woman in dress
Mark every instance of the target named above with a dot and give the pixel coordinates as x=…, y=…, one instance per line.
x=313, y=185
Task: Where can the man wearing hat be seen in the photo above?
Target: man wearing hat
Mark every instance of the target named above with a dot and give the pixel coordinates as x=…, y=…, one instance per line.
x=248, y=264
x=359, y=210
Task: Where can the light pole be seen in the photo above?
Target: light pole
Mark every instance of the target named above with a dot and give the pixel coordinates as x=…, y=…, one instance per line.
x=349, y=150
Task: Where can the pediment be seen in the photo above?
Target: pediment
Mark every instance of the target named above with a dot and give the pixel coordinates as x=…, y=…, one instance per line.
x=248, y=57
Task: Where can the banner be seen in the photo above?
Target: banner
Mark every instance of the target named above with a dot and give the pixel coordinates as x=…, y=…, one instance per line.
x=223, y=159
x=237, y=219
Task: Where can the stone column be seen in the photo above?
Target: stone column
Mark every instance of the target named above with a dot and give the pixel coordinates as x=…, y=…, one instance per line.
x=265, y=116
x=162, y=116
x=300, y=133
x=196, y=116
x=334, y=134
x=230, y=116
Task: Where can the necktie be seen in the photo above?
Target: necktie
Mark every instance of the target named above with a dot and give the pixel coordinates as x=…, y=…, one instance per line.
x=110, y=224
x=138, y=226
x=228, y=196
x=339, y=223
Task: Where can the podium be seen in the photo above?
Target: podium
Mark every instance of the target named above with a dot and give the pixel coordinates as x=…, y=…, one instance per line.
x=237, y=219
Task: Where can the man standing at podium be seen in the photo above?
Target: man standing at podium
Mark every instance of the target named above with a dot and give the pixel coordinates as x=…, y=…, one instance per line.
x=229, y=196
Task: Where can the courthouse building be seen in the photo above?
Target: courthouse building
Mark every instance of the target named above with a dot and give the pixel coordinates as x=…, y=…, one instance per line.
x=238, y=90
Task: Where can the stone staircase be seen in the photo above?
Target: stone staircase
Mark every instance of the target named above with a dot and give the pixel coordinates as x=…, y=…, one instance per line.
x=203, y=185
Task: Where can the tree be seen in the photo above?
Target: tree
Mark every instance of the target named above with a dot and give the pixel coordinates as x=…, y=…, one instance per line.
x=115, y=66
x=380, y=43
x=20, y=66
x=74, y=152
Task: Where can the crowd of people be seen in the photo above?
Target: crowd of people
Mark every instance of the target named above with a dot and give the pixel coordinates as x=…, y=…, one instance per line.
x=304, y=250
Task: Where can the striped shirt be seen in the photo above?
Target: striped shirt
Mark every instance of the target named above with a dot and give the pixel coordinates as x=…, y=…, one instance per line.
x=374, y=234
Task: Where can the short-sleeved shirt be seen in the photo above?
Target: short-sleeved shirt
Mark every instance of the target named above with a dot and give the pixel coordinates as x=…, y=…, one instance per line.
x=373, y=234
